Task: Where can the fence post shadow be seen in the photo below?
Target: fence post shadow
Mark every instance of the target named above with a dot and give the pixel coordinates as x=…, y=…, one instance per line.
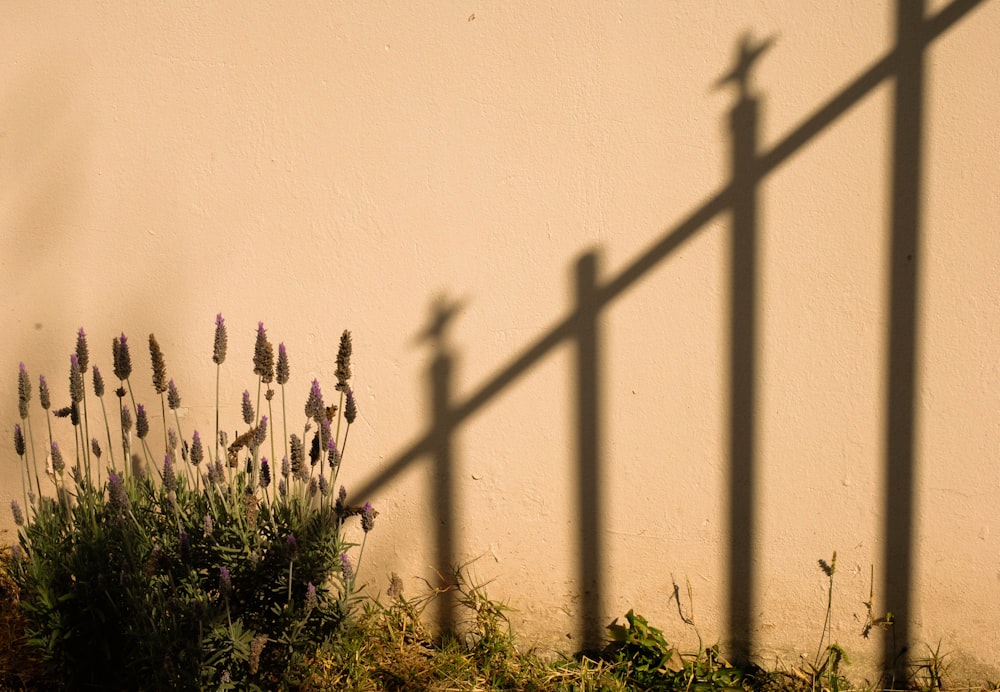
x=587, y=382
x=441, y=438
x=746, y=178
x=907, y=169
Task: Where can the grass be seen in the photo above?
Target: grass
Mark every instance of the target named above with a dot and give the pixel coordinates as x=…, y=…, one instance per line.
x=387, y=647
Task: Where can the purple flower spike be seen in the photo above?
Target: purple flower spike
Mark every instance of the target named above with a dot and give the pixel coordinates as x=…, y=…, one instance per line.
x=325, y=434
x=43, y=393
x=261, y=435
x=197, y=451
x=98, y=382
x=159, y=365
x=173, y=396
x=344, y=361
x=282, y=368
x=75, y=379
x=18, y=440
x=15, y=509
x=265, y=472
x=247, y=408
x=117, y=497
x=169, y=477
x=23, y=390
x=298, y=453
x=367, y=517
x=350, y=407
x=346, y=568
x=82, y=352
x=141, y=422
x=340, y=507
x=225, y=581
x=263, y=355
x=219, y=346
x=314, y=404
x=122, y=358
x=57, y=459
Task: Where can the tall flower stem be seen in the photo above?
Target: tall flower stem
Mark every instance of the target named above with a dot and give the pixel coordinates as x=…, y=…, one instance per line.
x=284, y=420
x=98, y=382
x=107, y=429
x=25, y=472
x=361, y=553
x=218, y=369
x=34, y=460
x=270, y=417
x=343, y=446
x=187, y=467
x=48, y=420
x=85, y=432
x=253, y=468
x=163, y=413
x=219, y=346
x=135, y=410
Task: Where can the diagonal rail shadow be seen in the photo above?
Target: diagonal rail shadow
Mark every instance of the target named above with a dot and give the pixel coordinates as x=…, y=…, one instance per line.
x=674, y=238
x=904, y=63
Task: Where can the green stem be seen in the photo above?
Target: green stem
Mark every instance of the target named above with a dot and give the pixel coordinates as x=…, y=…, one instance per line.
x=284, y=420
x=270, y=432
x=107, y=427
x=253, y=468
x=347, y=431
x=24, y=484
x=361, y=552
x=135, y=413
x=340, y=416
x=163, y=414
x=34, y=460
x=217, y=370
x=86, y=435
x=180, y=438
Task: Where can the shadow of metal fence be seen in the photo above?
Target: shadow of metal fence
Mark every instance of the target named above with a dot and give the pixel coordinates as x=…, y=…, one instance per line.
x=594, y=295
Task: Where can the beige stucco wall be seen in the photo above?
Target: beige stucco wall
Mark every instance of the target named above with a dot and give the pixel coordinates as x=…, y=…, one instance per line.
x=329, y=165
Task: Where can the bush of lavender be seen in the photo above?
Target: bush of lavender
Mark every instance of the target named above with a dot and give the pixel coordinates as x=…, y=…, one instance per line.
x=206, y=565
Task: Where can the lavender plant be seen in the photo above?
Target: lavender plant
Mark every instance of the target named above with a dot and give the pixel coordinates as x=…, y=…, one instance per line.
x=202, y=570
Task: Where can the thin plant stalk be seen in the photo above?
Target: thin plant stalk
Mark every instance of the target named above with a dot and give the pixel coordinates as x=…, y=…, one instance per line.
x=218, y=368
x=284, y=420
x=85, y=431
x=48, y=420
x=25, y=484
x=163, y=413
x=340, y=415
x=346, y=431
x=135, y=411
x=361, y=553
x=253, y=466
x=270, y=432
x=828, y=569
x=180, y=437
x=34, y=460
x=107, y=429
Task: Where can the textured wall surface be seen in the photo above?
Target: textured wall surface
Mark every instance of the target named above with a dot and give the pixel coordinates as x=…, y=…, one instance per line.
x=688, y=328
